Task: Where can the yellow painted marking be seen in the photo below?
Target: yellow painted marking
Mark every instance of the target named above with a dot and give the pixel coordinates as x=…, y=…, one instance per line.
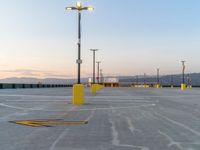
x=47, y=122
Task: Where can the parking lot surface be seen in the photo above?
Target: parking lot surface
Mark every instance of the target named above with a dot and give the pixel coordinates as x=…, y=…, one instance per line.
x=118, y=119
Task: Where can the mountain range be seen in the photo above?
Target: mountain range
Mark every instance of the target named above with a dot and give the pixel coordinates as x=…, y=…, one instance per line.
x=165, y=79
x=43, y=81
x=175, y=79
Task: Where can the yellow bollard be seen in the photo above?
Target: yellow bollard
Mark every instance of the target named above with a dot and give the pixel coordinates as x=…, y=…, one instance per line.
x=158, y=86
x=78, y=94
x=94, y=88
x=100, y=87
x=183, y=87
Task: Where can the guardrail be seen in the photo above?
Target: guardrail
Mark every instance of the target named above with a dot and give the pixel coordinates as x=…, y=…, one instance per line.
x=23, y=86
x=194, y=86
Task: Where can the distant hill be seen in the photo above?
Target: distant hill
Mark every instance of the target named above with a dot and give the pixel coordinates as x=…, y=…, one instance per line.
x=165, y=80
x=44, y=81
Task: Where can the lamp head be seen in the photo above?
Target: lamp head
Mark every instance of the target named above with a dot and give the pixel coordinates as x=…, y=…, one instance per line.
x=68, y=8
x=78, y=5
x=90, y=8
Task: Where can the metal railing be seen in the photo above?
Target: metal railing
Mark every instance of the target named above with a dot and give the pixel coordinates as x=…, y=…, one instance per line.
x=21, y=86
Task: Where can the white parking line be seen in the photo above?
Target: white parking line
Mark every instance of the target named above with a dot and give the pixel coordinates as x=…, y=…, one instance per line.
x=21, y=95
x=115, y=101
x=19, y=108
x=84, y=109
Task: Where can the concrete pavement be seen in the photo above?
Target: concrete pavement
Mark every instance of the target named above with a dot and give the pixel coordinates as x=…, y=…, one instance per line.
x=119, y=119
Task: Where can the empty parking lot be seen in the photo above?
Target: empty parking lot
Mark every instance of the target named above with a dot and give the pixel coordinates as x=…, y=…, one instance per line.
x=118, y=119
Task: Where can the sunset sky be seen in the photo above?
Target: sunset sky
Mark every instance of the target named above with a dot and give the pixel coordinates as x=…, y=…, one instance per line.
x=38, y=38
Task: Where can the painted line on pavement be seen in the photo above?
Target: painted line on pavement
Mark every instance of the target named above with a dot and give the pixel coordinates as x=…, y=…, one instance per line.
x=19, y=108
x=21, y=95
x=47, y=122
x=115, y=101
x=84, y=109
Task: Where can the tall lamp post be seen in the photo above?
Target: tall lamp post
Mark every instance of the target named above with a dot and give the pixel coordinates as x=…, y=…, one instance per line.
x=98, y=71
x=144, y=79
x=94, y=52
x=101, y=75
x=172, y=81
x=79, y=8
x=183, y=72
x=183, y=85
x=158, y=76
x=78, y=89
x=190, y=82
x=188, y=79
x=137, y=80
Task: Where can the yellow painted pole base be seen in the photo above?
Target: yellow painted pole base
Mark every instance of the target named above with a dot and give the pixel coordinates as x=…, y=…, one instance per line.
x=189, y=86
x=93, y=89
x=96, y=87
x=78, y=94
x=100, y=86
x=158, y=86
x=183, y=87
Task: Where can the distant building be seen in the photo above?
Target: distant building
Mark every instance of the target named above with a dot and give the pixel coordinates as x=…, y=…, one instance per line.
x=111, y=80
x=106, y=81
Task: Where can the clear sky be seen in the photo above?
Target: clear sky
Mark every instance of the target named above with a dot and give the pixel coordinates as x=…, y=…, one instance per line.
x=38, y=38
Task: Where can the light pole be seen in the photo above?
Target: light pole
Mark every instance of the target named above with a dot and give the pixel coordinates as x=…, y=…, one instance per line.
x=144, y=79
x=79, y=9
x=101, y=75
x=188, y=79
x=78, y=89
x=183, y=72
x=94, y=52
x=158, y=76
x=137, y=80
x=183, y=85
x=172, y=81
x=98, y=62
